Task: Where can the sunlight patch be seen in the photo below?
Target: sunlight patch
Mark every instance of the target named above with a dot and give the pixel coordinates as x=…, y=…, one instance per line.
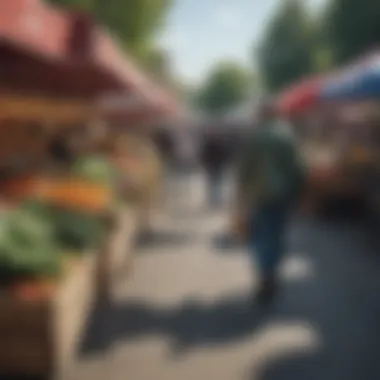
x=297, y=268
x=281, y=341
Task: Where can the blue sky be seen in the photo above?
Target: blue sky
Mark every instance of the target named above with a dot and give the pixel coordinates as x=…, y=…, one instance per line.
x=202, y=32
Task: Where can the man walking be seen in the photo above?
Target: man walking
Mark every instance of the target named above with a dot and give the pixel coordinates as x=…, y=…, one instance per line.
x=215, y=159
x=270, y=177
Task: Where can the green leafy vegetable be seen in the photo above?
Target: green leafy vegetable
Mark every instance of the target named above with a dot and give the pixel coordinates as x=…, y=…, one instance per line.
x=27, y=247
x=71, y=229
x=96, y=169
x=76, y=230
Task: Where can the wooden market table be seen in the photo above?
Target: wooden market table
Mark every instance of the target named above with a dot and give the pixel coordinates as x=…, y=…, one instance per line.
x=40, y=338
x=43, y=338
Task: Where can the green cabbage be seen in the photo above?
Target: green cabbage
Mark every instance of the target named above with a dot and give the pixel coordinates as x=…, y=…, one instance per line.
x=71, y=229
x=74, y=230
x=27, y=246
x=96, y=169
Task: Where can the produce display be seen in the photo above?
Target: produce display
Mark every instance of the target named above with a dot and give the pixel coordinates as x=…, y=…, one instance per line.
x=55, y=219
x=59, y=217
x=96, y=169
x=77, y=193
x=72, y=230
x=27, y=247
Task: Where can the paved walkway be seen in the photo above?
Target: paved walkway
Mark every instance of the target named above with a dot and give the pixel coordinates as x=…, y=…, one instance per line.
x=183, y=314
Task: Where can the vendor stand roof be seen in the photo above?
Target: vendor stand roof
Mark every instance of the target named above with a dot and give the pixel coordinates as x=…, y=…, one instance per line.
x=356, y=82
x=49, y=51
x=300, y=96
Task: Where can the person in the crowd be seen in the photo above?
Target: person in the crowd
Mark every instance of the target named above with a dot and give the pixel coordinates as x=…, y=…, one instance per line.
x=172, y=148
x=270, y=177
x=215, y=158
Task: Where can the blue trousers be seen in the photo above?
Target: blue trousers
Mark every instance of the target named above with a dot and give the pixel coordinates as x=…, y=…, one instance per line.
x=267, y=236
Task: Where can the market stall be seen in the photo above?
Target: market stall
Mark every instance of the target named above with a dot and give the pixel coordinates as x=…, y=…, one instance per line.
x=353, y=95
x=300, y=98
x=357, y=82
x=66, y=205
x=337, y=122
x=55, y=223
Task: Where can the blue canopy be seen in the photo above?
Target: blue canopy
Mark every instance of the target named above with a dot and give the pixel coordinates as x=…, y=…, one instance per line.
x=358, y=83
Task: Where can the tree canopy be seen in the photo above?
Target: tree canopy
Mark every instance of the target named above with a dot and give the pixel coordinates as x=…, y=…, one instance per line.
x=227, y=85
x=134, y=22
x=298, y=43
x=287, y=50
x=352, y=28
x=86, y=5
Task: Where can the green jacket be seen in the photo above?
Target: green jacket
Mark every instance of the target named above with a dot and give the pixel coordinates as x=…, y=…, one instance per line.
x=270, y=168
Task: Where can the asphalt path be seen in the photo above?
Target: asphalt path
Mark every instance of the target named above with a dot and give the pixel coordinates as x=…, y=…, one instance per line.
x=184, y=312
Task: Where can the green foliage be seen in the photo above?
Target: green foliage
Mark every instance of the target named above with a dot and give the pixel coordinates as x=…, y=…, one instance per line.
x=323, y=59
x=352, y=27
x=27, y=246
x=77, y=231
x=96, y=169
x=70, y=229
x=295, y=46
x=227, y=86
x=85, y=5
x=157, y=62
x=134, y=22
x=287, y=50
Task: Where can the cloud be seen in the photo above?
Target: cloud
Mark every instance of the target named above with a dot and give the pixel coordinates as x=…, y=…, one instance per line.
x=229, y=17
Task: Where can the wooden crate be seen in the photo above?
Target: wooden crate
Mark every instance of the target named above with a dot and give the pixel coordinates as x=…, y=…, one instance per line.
x=41, y=338
x=116, y=257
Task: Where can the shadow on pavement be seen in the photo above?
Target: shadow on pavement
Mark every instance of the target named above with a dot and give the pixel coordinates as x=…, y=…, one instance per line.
x=189, y=326
x=163, y=238
x=338, y=299
x=225, y=242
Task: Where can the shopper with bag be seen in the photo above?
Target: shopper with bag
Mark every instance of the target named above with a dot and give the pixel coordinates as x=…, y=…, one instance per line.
x=269, y=182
